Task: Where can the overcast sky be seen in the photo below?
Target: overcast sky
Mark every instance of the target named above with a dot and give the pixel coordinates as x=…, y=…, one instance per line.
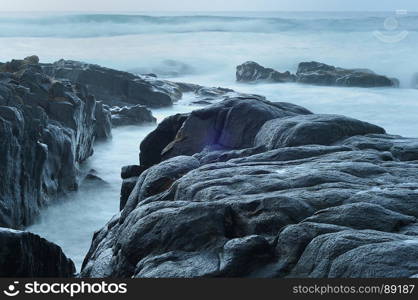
x=205, y=5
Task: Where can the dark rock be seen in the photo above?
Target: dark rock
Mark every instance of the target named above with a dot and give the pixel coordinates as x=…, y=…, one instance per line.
x=252, y=72
x=345, y=208
x=311, y=129
x=154, y=143
x=226, y=124
x=322, y=74
x=111, y=86
x=128, y=185
x=48, y=128
x=134, y=115
x=23, y=254
x=103, y=126
x=94, y=179
x=131, y=171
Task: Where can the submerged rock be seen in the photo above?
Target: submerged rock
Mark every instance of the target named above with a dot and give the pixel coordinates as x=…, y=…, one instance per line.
x=251, y=71
x=134, y=115
x=23, y=254
x=323, y=74
x=321, y=196
x=315, y=73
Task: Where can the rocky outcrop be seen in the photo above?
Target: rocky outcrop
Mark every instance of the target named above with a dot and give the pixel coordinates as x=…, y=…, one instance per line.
x=134, y=115
x=251, y=71
x=322, y=74
x=264, y=203
x=47, y=128
x=315, y=73
x=36, y=256
x=114, y=87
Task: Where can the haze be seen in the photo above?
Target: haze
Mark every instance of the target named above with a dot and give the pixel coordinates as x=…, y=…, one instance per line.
x=205, y=5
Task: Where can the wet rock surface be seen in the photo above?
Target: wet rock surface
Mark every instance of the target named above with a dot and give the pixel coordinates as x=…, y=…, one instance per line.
x=133, y=115
x=114, y=87
x=251, y=71
x=47, y=128
x=315, y=73
x=341, y=204
x=37, y=256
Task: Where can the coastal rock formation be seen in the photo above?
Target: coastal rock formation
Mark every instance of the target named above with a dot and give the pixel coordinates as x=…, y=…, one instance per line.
x=47, y=127
x=36, y=256
x=113, y=87
x=251, y=71
x=134, y=115
x=322, y=74
x=315, y=73
x=238, y=193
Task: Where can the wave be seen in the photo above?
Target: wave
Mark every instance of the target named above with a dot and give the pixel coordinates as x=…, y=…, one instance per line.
x=102, y=25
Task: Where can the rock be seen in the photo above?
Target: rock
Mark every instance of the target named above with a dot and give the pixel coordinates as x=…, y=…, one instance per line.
x=48, y=128
x=358, y=254
x=131, y=171
x=322, y=74
x=346, y=207
x=311, y=129
x=23, y=254
x=252, y=72
x=110, y=86
x=226, y=124
x=103, y=126
x=128, y=184
x=134, y=115
x=154, y=143
x=94, y=180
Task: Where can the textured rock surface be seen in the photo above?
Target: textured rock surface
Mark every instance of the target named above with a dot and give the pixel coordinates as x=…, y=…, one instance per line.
x=252, y=72
x=346, y=208
x=315, y=73
x=115, y=87
x=23, y=254
x=322, y=74
x=134, y=115
x=47, y=128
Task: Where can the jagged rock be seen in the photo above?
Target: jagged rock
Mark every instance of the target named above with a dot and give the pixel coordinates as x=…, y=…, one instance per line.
x=322, y=74
x=111, y=86
x=23, y=254
x=253, y=72
x=303, y=210
x=47, y=127
x=134, y=115
x=103, y=125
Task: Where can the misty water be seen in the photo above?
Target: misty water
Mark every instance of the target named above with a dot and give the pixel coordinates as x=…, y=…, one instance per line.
x=208, y=46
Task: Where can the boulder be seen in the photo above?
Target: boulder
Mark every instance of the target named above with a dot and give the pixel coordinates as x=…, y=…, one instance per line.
x=345, y=207
x=322, y=74
x=23, y=254
x=311, y=129
x=226, y=125
x=253, y=72
x=134, y=115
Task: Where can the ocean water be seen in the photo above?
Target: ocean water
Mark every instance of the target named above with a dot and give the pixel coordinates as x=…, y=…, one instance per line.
x=205, y=48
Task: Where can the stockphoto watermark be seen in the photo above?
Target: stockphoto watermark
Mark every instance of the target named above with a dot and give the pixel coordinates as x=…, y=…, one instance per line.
x=392, y=32
x=64, y=288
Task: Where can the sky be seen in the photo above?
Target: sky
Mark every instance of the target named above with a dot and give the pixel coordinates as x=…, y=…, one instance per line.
x=207, y=5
